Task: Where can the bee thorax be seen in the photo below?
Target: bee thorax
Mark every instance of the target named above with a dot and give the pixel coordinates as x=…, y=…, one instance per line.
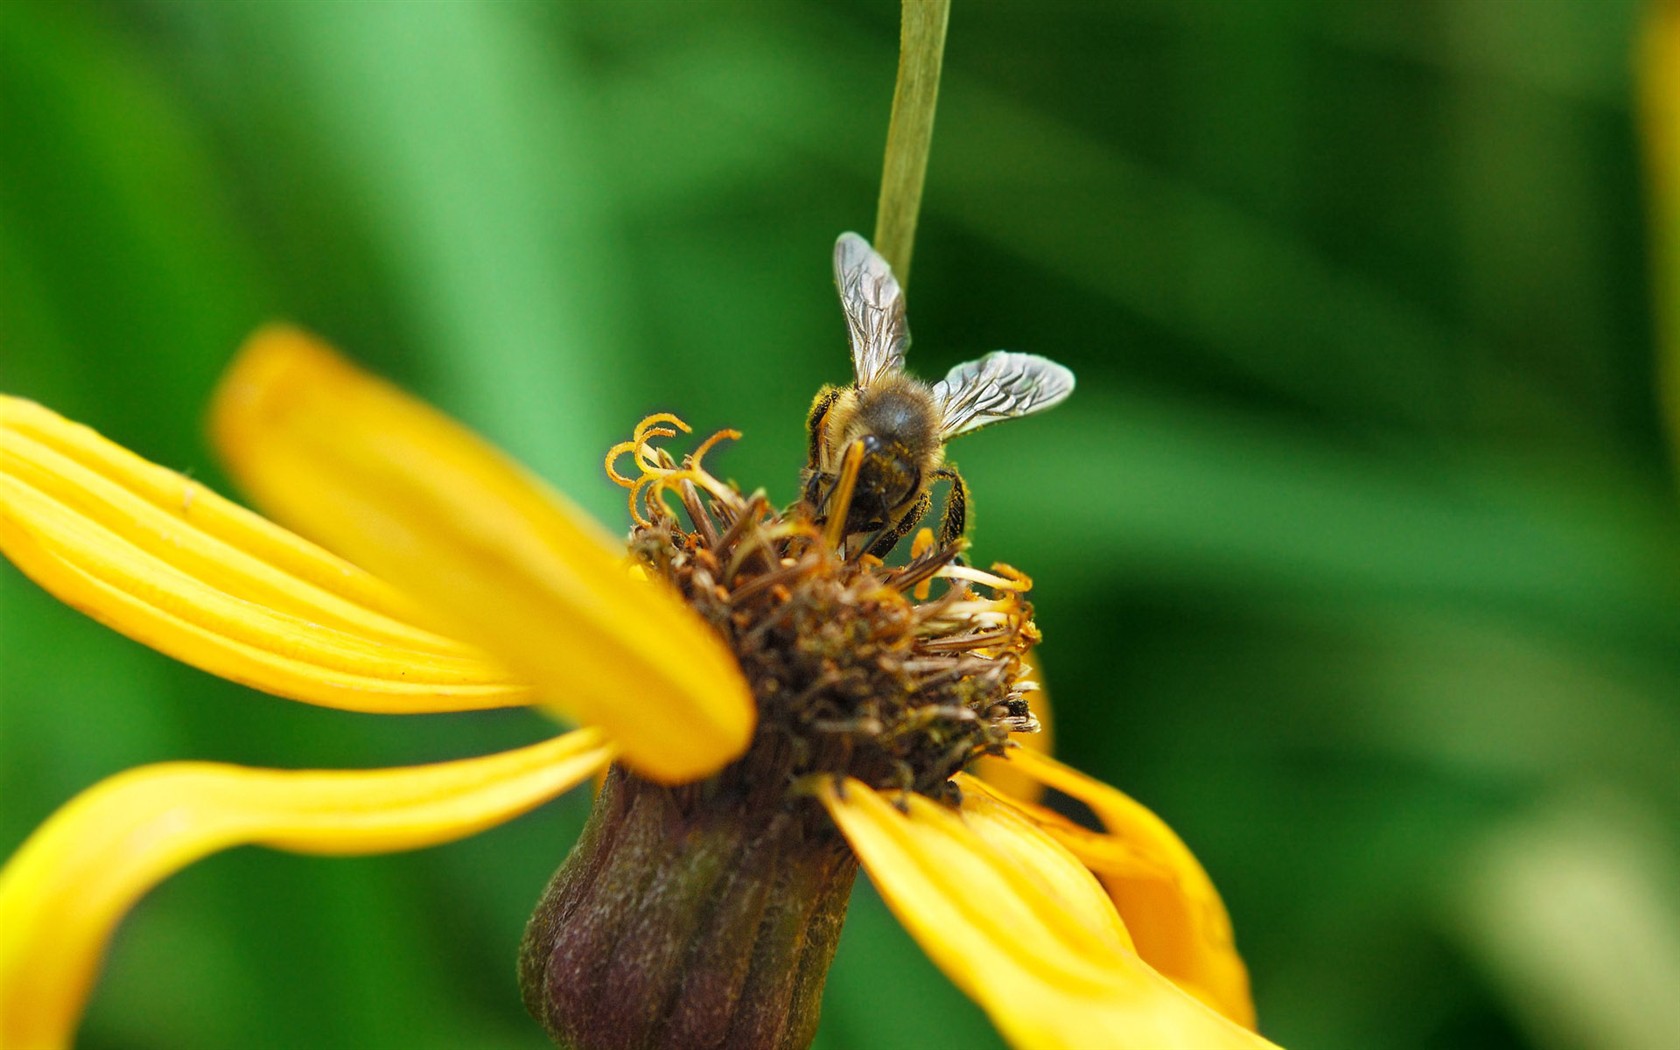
x=901, y=412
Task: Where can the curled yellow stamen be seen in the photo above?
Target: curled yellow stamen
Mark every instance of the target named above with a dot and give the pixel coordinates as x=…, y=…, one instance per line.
x=669, y=480
x=637, y=499
x=639, y=448
x=650, y=428
x=613, y=456
x=660, y=473
x=706, y=446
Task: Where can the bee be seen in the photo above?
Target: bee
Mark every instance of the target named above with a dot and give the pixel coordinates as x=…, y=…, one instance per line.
x=888, y=429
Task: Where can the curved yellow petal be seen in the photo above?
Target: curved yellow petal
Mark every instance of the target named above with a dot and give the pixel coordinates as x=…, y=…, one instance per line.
x=1167, y=901
x=1014, y=921
x=161, y=559
x=1055, y=871
x=1008, y=778
x=64, y=891
x=1659, y=112
x=352, y=461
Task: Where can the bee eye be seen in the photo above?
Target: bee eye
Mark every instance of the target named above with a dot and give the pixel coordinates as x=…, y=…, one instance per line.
x=873, y=443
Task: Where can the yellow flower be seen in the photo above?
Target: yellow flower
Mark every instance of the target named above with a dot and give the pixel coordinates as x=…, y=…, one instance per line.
x=457, y=581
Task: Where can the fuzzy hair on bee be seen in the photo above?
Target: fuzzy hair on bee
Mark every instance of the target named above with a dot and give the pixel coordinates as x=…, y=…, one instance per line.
x=895, y=426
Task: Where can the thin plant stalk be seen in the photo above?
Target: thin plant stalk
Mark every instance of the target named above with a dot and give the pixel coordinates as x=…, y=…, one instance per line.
x=910, y=131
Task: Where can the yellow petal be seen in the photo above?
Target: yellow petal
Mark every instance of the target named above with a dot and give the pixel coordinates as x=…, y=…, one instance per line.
x=1167, y=901
x=1055, y=871
x=71, y=882
x=1013, y=920
x=360, y=466
x=1659, y=112
x=165, y=561
x=1008, y=778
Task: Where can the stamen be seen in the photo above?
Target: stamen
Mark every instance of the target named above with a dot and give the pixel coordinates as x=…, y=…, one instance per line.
x=750, y=515
x=697, y=512
x=726, y=497
x=922, y=543
x=917, y=576
x=613, y=455
x=648, y=428
x=841, y=497
x=919, y=548
x=698, y=454
x=637, y=490
x=961, y=643
x=1001, y=578
x=642, y=452
x=748, y=538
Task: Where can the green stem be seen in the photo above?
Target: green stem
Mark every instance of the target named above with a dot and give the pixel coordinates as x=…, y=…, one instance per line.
x=910, y=132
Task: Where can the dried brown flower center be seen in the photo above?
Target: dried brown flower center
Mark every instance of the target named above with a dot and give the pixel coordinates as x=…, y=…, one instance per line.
x=896, y=675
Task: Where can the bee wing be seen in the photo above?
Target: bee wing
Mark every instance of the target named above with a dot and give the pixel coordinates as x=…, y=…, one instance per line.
x=874, y=305
x=1001, y=385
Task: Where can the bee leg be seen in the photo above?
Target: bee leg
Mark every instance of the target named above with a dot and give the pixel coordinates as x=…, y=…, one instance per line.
x=954, y=521
x=814, y=423
x=813, y=475
x=814, y=495
x=888, y=537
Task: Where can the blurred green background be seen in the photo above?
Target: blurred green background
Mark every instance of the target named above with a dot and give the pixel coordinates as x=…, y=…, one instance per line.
x=1357, y=549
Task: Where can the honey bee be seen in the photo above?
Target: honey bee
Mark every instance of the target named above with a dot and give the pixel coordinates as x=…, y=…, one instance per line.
x=888, y=429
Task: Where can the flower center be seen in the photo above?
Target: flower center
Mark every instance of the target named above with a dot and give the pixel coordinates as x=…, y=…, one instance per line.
x=896, y=675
